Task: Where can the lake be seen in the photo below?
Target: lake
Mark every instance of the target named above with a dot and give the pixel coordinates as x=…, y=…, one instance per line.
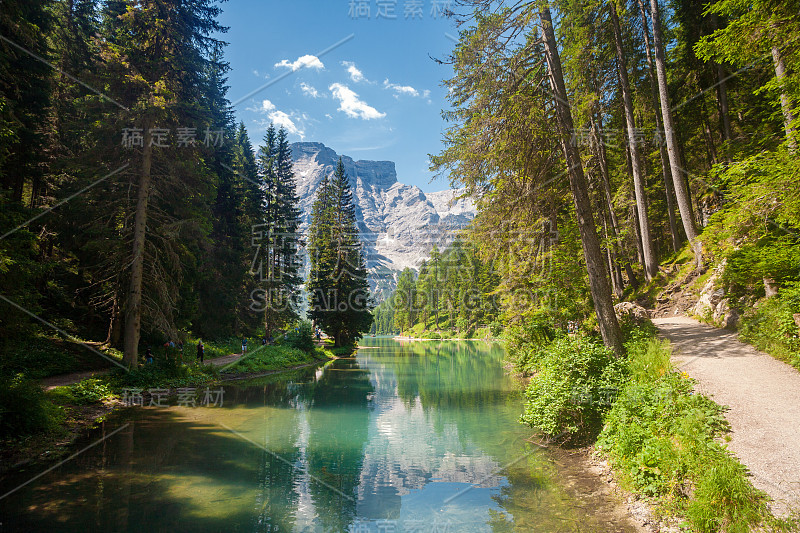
x=416, y=436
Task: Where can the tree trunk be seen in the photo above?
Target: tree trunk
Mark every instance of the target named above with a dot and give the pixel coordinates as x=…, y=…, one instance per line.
x=613, y=267
x=722, y=92
x=681, y=190
x=786, y=104
x=133, y=310
x=648, y=254
x=722, y=98
x=598, y=282
x=639, y=251
x=712, y=150
x=601, y=156
x=662, y=152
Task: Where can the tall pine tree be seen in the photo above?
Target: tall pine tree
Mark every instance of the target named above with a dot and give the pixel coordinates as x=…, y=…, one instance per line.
x=337, y=285
x=277, y=265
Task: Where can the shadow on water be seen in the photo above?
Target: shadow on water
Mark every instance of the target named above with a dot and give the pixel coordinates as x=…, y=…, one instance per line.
x=133, y=479
x=408, y=437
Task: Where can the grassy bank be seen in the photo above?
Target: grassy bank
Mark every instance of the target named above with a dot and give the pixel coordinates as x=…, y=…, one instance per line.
x=665, y=442
x=420, y=331
x=271, y=358
x=35, y=422
x=771, y=327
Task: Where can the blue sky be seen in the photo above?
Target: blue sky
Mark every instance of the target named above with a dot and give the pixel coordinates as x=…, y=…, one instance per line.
x=375, y=96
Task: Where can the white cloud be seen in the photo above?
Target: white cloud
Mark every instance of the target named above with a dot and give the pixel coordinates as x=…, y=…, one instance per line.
x=307, y=61
x=400, y=89
x=279, y=118
x=308, y=90
x=352, y=105
x=356, y=75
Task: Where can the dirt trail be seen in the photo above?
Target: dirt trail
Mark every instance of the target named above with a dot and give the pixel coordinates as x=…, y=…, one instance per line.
x=763, y=395
x=63, y=380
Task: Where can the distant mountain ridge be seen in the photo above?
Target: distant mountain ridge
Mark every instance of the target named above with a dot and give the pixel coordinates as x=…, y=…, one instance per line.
x=399, y=223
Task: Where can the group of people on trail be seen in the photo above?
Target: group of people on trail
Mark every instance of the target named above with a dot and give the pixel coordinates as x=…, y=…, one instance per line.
x=169, y=348
x=201, y=349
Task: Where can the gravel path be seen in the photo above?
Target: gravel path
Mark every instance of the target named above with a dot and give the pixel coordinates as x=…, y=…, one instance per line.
x=763, y=395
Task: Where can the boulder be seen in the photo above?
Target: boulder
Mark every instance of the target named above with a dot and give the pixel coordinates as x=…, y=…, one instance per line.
x=710, y=297
x=631, y=310
x=725, y=316
x=770, y=287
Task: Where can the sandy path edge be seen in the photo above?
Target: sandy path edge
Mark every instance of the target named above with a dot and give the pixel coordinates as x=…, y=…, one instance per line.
x=763, y=397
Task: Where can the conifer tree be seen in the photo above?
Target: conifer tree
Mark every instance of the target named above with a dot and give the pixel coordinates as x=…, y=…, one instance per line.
x=404, y=300
x=278, y=262
x=338, y=288
x=162, y=62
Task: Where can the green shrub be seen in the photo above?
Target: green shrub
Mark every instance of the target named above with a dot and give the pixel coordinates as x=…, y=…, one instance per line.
x=301, y=337
x=85, y=392
x=771, y=326
x=648, y=359
x=164, y=373
x=663, y=438
x=214, y=349
x=724, y=500
x=771, y=257
x=574, y=386
x=25, y=409
x=40, y=356
x=527, y=342
x=270, y=358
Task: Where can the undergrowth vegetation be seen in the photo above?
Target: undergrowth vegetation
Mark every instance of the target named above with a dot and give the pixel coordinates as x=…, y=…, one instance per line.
x=771, y=326
x=85, y=392
x=272, y=358
x=664, y=441
x=164, y=373
x=26, y=410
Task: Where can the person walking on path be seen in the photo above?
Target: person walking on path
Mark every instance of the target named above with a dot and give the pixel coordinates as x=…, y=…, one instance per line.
x=148, y=356
x=201, y=350
x=244, y=345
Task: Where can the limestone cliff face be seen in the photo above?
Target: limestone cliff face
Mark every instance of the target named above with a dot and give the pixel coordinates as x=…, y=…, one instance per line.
x=399, y=223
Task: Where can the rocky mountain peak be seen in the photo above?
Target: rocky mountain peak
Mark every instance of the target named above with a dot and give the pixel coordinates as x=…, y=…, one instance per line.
x=399, y=223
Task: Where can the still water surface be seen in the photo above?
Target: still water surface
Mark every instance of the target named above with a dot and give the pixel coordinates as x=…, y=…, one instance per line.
x=404, y=437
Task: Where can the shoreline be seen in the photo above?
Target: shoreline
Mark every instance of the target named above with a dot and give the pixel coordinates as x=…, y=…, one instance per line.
x=41, y=450
x=401, y=338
